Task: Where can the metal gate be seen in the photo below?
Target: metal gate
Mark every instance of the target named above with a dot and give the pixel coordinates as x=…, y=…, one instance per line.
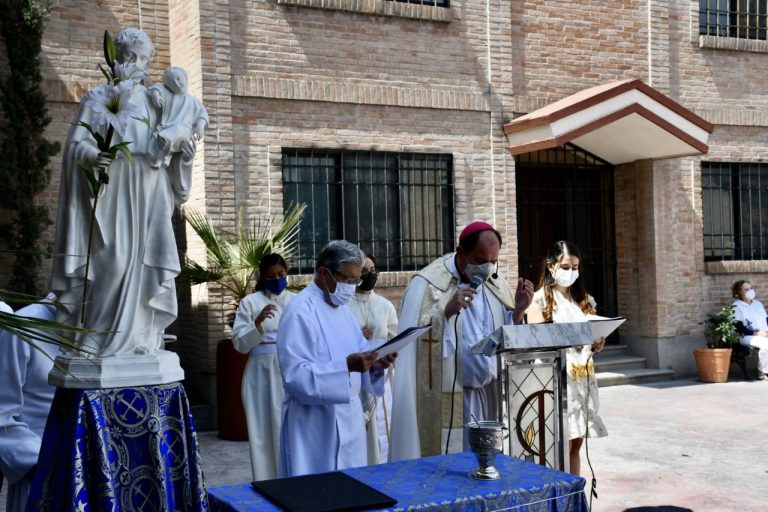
x=567, y=193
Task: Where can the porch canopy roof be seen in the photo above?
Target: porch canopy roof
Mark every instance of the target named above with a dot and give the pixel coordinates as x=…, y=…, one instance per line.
x=619, y=122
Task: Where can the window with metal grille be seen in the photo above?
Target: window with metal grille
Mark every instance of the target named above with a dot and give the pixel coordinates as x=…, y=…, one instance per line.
x=397, y=206
x=743, y=19
x=735, y=210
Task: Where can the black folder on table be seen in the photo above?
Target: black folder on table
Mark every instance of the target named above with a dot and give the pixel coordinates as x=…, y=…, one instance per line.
x=324, y=492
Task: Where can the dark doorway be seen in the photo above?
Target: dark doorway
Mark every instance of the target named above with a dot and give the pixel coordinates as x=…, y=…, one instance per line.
x=567, y=193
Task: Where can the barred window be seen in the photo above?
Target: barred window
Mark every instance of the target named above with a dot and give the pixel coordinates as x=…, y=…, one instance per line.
x=397, y=206
x=743, y=19
x=735, y=210
x=435, y=3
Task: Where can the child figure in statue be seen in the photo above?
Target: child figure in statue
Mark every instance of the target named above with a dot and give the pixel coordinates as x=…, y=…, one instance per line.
x=182, y=116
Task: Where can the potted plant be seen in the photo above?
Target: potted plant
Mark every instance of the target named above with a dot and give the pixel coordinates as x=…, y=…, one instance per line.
x=714, y=361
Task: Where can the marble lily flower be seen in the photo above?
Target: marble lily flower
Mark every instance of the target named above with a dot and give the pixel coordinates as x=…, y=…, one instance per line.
x=112, y=107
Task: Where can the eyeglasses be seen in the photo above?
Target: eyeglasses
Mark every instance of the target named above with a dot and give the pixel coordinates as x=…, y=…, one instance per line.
x=348, y=280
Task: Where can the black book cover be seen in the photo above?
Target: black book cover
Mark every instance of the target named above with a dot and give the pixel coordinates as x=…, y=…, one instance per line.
x=324, y=492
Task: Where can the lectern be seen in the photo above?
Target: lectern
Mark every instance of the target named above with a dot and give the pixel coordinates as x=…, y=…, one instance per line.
x=531, y=386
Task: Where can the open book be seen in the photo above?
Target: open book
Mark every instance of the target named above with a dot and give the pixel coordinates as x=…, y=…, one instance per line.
x=400, y=341
x=602, y=326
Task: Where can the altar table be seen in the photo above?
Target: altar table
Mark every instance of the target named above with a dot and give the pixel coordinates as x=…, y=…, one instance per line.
x=441, y=483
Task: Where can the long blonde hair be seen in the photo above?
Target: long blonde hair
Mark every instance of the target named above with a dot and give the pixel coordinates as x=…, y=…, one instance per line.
x=577, y=290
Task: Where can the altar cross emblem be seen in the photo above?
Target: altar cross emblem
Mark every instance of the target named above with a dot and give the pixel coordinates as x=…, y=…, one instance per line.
x=429, y=340
x=130, y=408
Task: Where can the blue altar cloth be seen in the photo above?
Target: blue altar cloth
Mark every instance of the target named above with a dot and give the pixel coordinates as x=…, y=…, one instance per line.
x=441, y=483
x=120, y=449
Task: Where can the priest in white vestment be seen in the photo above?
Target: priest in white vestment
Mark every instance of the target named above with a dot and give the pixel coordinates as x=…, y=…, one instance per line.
x=377, y=318
x=255, y=332
x=324, y=364
x=25, y=399
x=427, y=382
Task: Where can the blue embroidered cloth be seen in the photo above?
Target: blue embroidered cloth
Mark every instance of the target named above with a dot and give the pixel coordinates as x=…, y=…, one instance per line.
x=441, y=483
x=121, y=449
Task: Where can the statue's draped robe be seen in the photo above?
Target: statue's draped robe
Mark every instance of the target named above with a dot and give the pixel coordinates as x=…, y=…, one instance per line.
x=134, y=260
x=421, y=414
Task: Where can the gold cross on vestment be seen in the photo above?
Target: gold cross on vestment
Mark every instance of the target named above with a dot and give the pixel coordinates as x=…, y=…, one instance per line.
x=429, y=340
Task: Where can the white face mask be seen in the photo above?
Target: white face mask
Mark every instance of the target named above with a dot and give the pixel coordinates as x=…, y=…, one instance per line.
x=485, y=270
x=750, y=294
x=343, y=294
x=566, y=278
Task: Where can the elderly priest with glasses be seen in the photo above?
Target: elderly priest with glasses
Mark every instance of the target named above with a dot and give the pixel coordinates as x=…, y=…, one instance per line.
x=323, y=360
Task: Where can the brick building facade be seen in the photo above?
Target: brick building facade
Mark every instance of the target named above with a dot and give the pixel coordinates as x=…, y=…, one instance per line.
x=381, y=76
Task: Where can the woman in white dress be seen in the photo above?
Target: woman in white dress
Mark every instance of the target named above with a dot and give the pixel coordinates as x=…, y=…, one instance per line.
x=754, y=324
x=377, y=318
x=562, y=297
x=255, y=332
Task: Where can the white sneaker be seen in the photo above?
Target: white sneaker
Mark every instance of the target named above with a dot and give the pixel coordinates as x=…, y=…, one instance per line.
x=762, y=376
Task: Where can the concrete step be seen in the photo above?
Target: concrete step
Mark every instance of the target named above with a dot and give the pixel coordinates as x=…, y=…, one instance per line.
x=610, y=362
x=632, y=376
x=613, y=350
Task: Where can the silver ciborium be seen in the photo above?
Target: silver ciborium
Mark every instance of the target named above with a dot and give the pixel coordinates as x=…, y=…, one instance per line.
x=485, y=440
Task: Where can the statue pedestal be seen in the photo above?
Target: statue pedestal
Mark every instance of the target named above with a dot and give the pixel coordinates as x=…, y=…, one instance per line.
x=122, y=371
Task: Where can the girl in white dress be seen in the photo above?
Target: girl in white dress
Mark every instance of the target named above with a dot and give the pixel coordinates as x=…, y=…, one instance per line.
x=561, y=297
x=255, y=332
x=377, y=318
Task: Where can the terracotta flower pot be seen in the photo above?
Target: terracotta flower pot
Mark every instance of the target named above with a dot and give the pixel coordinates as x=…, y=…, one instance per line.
x=713, y=363
x=230, y=367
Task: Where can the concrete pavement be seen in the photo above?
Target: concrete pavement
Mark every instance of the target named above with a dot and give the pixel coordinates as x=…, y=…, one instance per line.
x=675, y=446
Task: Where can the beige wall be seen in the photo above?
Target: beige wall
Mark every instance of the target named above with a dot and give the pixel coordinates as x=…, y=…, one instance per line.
x=274, y=76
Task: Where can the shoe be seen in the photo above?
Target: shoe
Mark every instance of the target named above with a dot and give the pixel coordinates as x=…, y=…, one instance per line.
x=762, y=376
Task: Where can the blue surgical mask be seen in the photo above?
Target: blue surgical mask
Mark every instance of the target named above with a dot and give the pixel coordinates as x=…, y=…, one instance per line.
x=276, y=286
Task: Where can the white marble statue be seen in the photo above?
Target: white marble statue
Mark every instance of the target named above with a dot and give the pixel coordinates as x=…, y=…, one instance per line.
x=131, y=297
x=183, y=116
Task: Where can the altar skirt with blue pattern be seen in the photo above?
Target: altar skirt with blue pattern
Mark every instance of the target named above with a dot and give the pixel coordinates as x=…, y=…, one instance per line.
x=120, y=449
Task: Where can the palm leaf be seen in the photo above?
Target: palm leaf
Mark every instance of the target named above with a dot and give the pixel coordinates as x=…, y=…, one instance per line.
x=235, y=256
x=203, y=226
x=195, y=273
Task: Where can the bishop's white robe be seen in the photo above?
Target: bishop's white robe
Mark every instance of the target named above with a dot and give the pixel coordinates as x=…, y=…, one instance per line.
x=379, y=315
x=262, y=388
x=478, y=373
x=323, y=428
x=25, y=399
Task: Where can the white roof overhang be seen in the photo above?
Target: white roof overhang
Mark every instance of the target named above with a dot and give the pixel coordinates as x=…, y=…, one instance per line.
x=619, y=122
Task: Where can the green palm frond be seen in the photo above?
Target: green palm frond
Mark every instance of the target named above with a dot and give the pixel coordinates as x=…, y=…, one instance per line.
x=235, y=256
x=38, y=330
x=195, y=273
x=203, y=226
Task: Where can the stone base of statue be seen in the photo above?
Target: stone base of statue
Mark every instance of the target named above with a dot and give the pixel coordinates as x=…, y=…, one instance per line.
x=122, y=371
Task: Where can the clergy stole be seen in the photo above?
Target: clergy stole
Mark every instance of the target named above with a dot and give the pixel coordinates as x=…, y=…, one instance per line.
x=434, y=373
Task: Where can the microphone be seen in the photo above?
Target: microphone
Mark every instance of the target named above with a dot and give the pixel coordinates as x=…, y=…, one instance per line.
x=495, y=274
x=476, y=281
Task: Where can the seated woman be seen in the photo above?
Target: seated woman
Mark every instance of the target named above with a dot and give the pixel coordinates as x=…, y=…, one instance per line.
x=754, y=323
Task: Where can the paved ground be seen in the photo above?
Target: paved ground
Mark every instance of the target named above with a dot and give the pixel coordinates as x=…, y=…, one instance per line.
x=672, y=447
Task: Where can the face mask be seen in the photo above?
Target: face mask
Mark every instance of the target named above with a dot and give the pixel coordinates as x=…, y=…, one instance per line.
x=750, y=294
x=276, y=286
x=485, y=270
x=369, y=281
x=343, y=294
x=566, y=278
